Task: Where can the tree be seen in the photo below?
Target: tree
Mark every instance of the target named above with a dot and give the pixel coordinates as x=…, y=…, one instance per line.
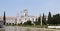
x=49, y=18
x=44, y=20
x=39, y=20
x=36, y=22
x=56, y=19
x=28, y=23
x=4, y=18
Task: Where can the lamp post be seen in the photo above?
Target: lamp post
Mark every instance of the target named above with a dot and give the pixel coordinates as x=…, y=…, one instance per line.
x=41, y=20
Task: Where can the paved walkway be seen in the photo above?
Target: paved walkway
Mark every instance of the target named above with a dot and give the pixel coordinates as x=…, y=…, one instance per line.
x=2, y=29
x=18, y=28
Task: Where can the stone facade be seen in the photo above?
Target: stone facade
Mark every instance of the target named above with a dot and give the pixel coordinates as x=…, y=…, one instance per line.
x=19, y=19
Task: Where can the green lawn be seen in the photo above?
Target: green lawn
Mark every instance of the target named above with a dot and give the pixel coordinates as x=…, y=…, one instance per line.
x=36, y=26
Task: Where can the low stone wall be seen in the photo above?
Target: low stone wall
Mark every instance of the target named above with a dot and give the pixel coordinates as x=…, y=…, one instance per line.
x=53, y=26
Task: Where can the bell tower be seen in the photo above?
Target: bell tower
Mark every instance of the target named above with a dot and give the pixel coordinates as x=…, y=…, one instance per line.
x=25, y=12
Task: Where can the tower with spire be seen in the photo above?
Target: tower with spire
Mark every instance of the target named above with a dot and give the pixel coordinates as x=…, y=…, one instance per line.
x=25, y=12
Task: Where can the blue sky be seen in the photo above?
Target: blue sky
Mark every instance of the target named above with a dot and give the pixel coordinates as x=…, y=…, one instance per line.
x=34, y=7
